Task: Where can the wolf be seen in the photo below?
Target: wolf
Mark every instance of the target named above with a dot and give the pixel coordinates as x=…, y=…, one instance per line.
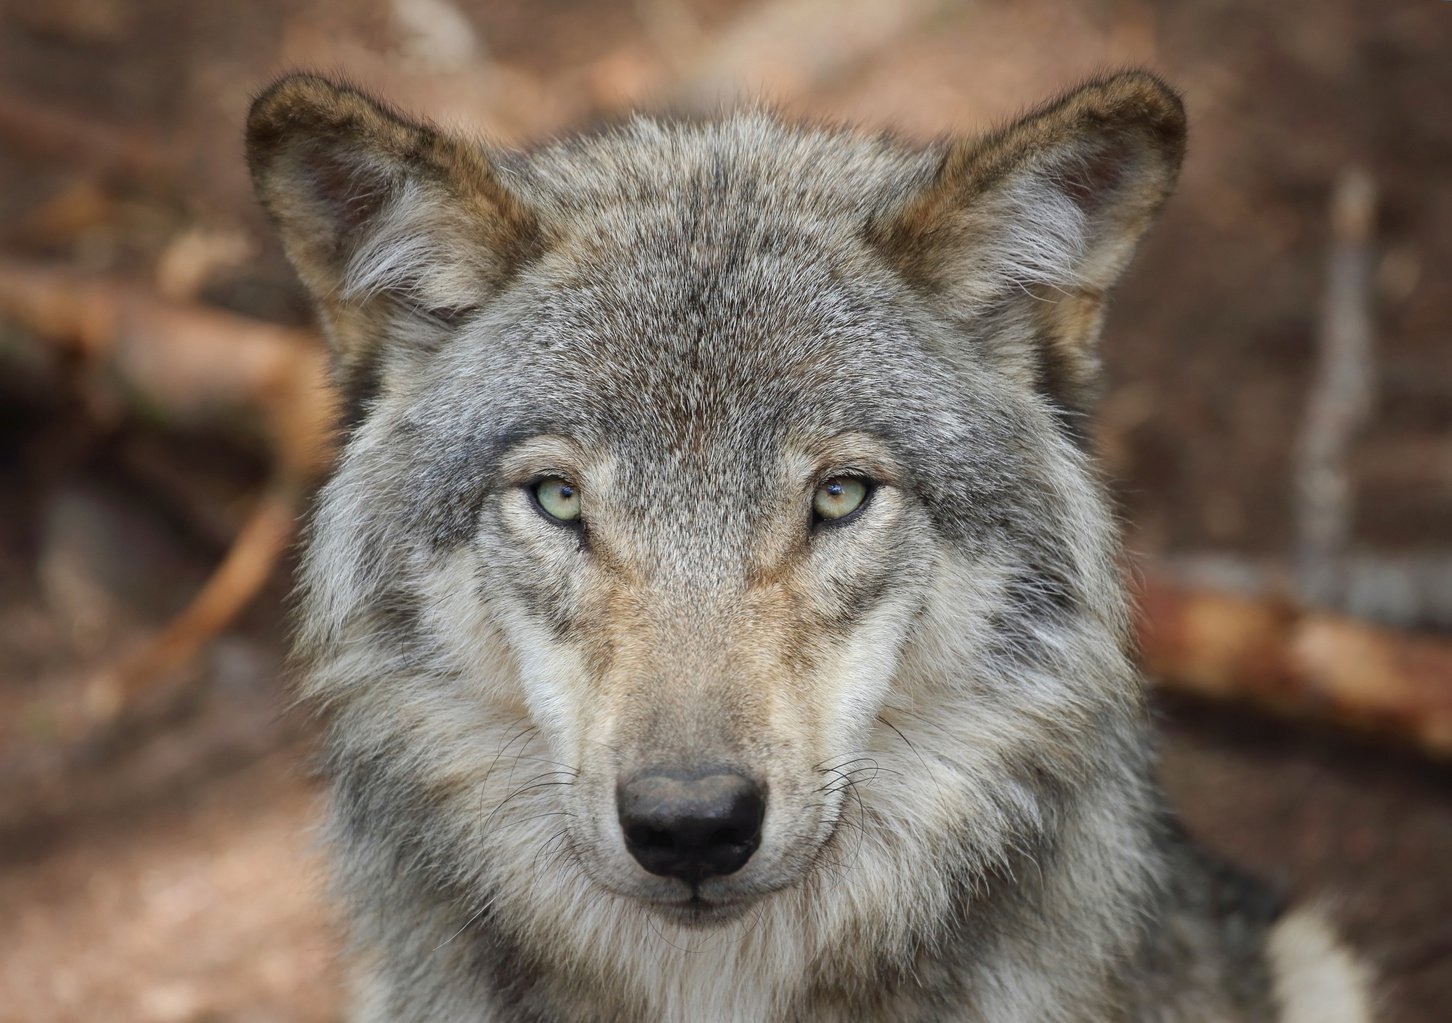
x=714, y=605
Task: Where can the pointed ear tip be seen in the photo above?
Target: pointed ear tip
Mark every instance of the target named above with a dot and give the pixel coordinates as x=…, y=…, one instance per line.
x=1142, y=98
x=295, y=90
x=300, y=100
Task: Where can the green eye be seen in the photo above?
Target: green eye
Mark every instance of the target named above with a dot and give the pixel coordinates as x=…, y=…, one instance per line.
x=839, y=497
x=558, y=498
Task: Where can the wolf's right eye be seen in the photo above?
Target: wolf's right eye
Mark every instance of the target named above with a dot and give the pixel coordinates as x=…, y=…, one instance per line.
x=836, y=500
x=558, y=499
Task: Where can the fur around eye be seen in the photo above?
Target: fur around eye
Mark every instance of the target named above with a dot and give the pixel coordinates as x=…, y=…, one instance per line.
x=557, y=499
x=840, y=498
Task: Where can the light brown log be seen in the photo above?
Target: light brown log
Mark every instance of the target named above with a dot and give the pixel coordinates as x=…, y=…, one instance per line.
x=189, y=363
x=1297, y=663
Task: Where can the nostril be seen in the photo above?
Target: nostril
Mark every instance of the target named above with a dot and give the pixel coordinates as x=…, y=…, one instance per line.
x=650, y=838
x=691, y=825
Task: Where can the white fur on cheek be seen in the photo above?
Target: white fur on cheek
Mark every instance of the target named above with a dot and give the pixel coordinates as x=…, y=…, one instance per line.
x=547, y=674
x=858, y=679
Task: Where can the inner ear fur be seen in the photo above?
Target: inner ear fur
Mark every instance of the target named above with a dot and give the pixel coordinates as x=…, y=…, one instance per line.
x=379, y=212
x=1031, y=225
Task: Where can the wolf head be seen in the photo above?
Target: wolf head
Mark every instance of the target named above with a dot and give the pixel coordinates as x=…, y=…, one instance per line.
x=712, y=520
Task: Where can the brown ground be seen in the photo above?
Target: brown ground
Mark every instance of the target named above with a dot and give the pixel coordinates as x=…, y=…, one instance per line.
x=171, y=875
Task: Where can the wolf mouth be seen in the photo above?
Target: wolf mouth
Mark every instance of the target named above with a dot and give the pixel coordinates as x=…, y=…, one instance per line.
x=698, y=912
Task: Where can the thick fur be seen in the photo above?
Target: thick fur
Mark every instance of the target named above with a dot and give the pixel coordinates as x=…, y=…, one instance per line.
x=696, y=324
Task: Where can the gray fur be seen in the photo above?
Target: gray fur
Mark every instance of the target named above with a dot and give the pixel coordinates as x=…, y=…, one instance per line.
x=964, y=823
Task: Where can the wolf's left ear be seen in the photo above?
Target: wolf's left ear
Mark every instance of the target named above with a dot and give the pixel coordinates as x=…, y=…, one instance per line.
x=380, y=213
x=1031, y=225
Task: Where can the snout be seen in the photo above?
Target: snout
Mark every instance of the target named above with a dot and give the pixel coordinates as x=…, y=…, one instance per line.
x=691, y=825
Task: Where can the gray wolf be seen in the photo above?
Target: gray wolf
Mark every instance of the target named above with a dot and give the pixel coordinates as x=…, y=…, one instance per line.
x=714, y=607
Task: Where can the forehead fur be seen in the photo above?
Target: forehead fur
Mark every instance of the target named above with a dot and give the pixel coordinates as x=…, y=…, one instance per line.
x=695, y=302
x=701, y=257
x=751, y=157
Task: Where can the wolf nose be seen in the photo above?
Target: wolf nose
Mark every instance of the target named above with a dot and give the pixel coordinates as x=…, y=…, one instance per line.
x=691, y=826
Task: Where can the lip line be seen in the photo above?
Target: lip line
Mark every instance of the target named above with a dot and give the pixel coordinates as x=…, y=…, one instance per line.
x=695, y=901
x=732, y=900
x=698, y=909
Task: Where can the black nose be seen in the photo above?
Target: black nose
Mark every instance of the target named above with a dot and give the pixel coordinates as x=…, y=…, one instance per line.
x=691, y=826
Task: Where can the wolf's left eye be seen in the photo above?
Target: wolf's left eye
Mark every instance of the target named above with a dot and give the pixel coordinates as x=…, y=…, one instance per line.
x=840, y=497
x=558, y=498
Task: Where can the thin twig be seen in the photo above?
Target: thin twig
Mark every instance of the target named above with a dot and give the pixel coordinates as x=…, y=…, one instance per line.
x=234, y=584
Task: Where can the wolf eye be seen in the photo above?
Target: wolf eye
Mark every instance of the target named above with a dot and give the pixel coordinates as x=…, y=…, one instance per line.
x=840, y=497
x=557, y=498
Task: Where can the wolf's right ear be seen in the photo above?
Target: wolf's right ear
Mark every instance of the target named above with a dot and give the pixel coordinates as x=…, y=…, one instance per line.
x=378, y=212
x=1032, y=225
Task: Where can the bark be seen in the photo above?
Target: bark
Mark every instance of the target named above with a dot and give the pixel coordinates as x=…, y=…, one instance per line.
x=1298, y=663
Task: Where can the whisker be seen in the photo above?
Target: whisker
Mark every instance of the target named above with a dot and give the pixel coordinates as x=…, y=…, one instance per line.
x=852, y=758
x=533, y=734
x=465, y=925
x=534, y=783
x=549, y=847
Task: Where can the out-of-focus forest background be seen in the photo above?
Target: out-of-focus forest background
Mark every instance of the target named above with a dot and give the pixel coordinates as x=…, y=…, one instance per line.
x=1277, y=418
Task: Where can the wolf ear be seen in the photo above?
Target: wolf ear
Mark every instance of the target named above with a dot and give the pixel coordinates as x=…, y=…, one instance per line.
x=1034, y=223
x=376, y=210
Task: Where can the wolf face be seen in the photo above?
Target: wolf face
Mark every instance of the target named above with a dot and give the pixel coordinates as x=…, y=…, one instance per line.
x=712, y=545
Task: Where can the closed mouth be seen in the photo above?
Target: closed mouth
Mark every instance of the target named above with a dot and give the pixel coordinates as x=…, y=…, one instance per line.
x=699, y=912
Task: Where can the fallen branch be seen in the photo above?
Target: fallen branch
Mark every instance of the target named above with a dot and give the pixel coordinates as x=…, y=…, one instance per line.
x=234, y=584
x=1297, y=663
x=187, y=363
x=190, y=365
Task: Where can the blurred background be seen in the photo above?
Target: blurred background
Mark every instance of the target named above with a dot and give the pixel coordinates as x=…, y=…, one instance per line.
x=1277, y=422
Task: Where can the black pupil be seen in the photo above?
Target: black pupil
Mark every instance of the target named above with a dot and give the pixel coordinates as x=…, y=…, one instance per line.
x=834, y=488
x=566, y=491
